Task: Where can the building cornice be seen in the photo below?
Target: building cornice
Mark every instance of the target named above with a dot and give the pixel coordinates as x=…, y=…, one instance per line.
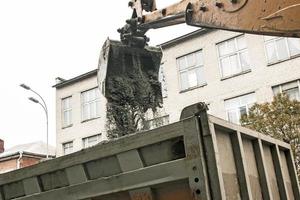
x=76, y=79
x=185, y=37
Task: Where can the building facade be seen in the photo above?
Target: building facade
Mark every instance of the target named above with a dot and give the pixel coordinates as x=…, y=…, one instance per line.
x=229, y=71
x=80, y=113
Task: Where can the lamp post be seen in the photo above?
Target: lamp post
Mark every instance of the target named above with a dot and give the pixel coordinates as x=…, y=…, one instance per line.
x=44, y=106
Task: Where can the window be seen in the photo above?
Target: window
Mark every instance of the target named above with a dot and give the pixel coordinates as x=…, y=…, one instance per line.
x=279, y=48
x=292, y=89
x=233, y=56
x=90, y=104
x=191, y=70
x=236, y=107
x=156, y=122
x=91, y=141
x=68, y=148
x=66, y=112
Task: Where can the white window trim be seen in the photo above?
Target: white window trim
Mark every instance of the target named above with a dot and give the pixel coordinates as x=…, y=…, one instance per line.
x=66, y=110
x=82, y=104
x=179, y=71
x=277, y=55
x=280, y=86
x=237, y=109
x=228, y=55
x=63, y=147
x=86, y=138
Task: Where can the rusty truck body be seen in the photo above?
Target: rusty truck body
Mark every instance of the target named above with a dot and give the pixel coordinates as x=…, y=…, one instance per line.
x=200, y=157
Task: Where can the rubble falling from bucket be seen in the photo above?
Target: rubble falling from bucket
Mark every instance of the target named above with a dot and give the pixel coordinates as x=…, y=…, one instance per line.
x=128, y=78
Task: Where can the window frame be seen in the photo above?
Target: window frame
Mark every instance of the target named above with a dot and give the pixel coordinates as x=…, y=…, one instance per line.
x=237, y=52
x=86, y=138
x=66, y=110
x=235, y=109
x=286, y=46
x=281, y=91
x=188, y=69
x=82, y=105
x=64, y=149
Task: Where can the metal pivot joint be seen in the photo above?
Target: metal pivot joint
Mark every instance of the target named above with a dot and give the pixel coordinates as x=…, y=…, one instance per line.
x=132, y=36
x=275, y=18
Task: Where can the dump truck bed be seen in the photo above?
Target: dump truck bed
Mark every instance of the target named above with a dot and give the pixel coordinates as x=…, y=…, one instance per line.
x=199, y=157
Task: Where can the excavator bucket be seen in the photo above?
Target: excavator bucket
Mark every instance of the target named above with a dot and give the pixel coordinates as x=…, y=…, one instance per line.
x=128, y=78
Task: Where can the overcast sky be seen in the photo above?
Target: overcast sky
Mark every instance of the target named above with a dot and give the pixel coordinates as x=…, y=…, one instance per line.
x=43, y=39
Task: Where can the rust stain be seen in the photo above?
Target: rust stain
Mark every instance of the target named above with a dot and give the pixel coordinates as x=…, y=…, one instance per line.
x=243, y=15
x=193, y=152
x=141, y=196
x=178, y=194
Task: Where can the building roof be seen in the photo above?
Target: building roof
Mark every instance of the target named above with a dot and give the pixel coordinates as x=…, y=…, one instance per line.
x=35, y=148
x=185, y=37
x=76, y=79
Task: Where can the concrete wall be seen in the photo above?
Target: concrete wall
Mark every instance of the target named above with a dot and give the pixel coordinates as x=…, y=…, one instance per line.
x=260, y=80
x=79, y=129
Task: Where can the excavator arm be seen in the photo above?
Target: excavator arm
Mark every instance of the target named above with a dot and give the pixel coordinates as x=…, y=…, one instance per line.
x=265, y=17
x=128, y=70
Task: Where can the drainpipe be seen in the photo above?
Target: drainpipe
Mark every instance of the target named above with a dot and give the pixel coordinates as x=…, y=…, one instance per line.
x=19, y=159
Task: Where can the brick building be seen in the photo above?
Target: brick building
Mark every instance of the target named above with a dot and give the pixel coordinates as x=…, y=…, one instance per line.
x=22, y=155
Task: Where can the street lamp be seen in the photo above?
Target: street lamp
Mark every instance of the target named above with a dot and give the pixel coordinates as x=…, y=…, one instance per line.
x=34, y=100
x=44, y=106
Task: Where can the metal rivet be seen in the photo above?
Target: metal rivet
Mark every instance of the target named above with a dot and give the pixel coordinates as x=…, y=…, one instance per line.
x=219, y=4
x=203, y=8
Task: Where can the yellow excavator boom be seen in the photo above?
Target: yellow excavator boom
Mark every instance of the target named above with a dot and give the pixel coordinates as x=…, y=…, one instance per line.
x=265, y=17
x=129, y=69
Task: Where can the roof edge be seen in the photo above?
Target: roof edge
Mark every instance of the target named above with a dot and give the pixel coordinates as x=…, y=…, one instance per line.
x=75, y=79
x=24, y=153
x=185, y=37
